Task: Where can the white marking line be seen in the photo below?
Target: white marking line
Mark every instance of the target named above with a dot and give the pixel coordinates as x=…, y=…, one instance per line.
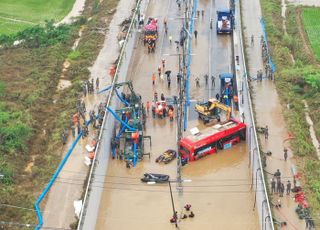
x=17, y=20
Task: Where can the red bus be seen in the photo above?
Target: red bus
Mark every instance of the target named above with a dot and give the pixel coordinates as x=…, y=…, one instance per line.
x=209, y=140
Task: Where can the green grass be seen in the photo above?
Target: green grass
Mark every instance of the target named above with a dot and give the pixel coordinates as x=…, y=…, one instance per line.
x=30, y=12
x=311, y=21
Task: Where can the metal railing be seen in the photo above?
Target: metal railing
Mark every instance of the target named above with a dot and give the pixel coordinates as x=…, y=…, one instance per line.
x=122, y=55
x=261, y=200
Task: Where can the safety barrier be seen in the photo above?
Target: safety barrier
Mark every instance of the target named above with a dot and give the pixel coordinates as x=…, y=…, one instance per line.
x=120, y=72
x=261, y=200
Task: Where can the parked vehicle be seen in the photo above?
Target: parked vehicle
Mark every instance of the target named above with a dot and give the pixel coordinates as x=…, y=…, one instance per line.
x=153, y=177
x=167, y=156
x=224, y=22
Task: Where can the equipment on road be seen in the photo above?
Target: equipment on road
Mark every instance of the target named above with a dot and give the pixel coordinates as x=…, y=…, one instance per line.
x=153, y=177
x=226, y=88
x=128, y=144
x=225, y=22
x=209, y=140
x=211, y=110
x=167, y=156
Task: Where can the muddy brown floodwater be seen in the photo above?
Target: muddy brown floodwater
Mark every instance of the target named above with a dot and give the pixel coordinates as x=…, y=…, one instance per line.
x=220, y=189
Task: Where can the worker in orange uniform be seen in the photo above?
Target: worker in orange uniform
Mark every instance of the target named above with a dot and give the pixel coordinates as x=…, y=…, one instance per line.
x=171, y=114
x=235, y=101
x=153, y=79
x=75, y=119
x=148, y=106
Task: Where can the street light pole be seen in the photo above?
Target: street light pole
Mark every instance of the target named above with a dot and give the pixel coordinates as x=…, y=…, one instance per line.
x=173, y=208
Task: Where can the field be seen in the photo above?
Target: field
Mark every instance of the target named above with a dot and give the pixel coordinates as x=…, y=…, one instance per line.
x=311, y=21
x=18, y=15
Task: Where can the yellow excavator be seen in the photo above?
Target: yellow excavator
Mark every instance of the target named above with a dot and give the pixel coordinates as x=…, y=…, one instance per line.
x=210, y=110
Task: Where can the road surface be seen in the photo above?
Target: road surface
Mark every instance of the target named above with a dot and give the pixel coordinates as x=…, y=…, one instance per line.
x=220, y=187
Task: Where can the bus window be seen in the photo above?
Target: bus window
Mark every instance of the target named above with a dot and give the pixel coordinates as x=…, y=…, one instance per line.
x=205, y=150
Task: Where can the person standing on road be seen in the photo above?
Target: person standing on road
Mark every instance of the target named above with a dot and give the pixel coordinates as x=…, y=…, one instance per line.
x=252, y=40
x=217, y=96
x=288, y=187
x=285, y=154
x=206, y=78
x=170, y=39
x=97, y=83
x=278, y=186
x=273, y=186
x=282, y=190
x=159, y=71
x=169, y=83
x=196, y=34
x=163, y=64
x=197, y=82
x=213, y=83
x=153, y=79
x=266, y=133
x=148, y=106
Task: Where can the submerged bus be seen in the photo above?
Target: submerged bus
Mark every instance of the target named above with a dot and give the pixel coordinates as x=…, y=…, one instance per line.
x=209, y=140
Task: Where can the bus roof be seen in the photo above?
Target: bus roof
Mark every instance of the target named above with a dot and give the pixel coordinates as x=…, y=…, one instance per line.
x=225, y=75
x=192, y=139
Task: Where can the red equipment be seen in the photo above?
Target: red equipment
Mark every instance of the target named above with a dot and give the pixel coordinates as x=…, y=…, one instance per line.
x=219, y=136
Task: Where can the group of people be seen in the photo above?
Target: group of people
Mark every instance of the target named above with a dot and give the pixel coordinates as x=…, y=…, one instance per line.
x=78, y=121
x=187, y=213
x=88, y=87
x=278, y=187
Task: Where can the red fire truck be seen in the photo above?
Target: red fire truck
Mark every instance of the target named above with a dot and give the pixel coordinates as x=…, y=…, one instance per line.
x=209, y=140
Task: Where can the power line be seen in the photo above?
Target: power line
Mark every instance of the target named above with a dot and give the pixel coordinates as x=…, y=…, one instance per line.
x=161, y=191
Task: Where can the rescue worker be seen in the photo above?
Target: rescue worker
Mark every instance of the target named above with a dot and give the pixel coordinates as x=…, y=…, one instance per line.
x=235, y=100
x=153, y=109
x=155, y=95
x=64, y=137
x=273, y=186
x=213, y=81
x=78, y=128
x=277, y=175
x=279, y=187
x=218, y=96
x=162, y=97
x=197, y=82
x=282, y=190
x=179, y=76
x=169, y=83
x=73, y=131
x=163, y=63
x=206, y=78
x=97, y=83
x=266, y=133
x=187, y=207
x=285, y=154
x=159, y=71
x=288, y=187
x=165, y=25
x=153, y=79
x=148, y=106
x=171, y=114
x=196, y=34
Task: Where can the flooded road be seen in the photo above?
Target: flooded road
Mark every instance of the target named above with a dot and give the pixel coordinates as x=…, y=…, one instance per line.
x=220, y=187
